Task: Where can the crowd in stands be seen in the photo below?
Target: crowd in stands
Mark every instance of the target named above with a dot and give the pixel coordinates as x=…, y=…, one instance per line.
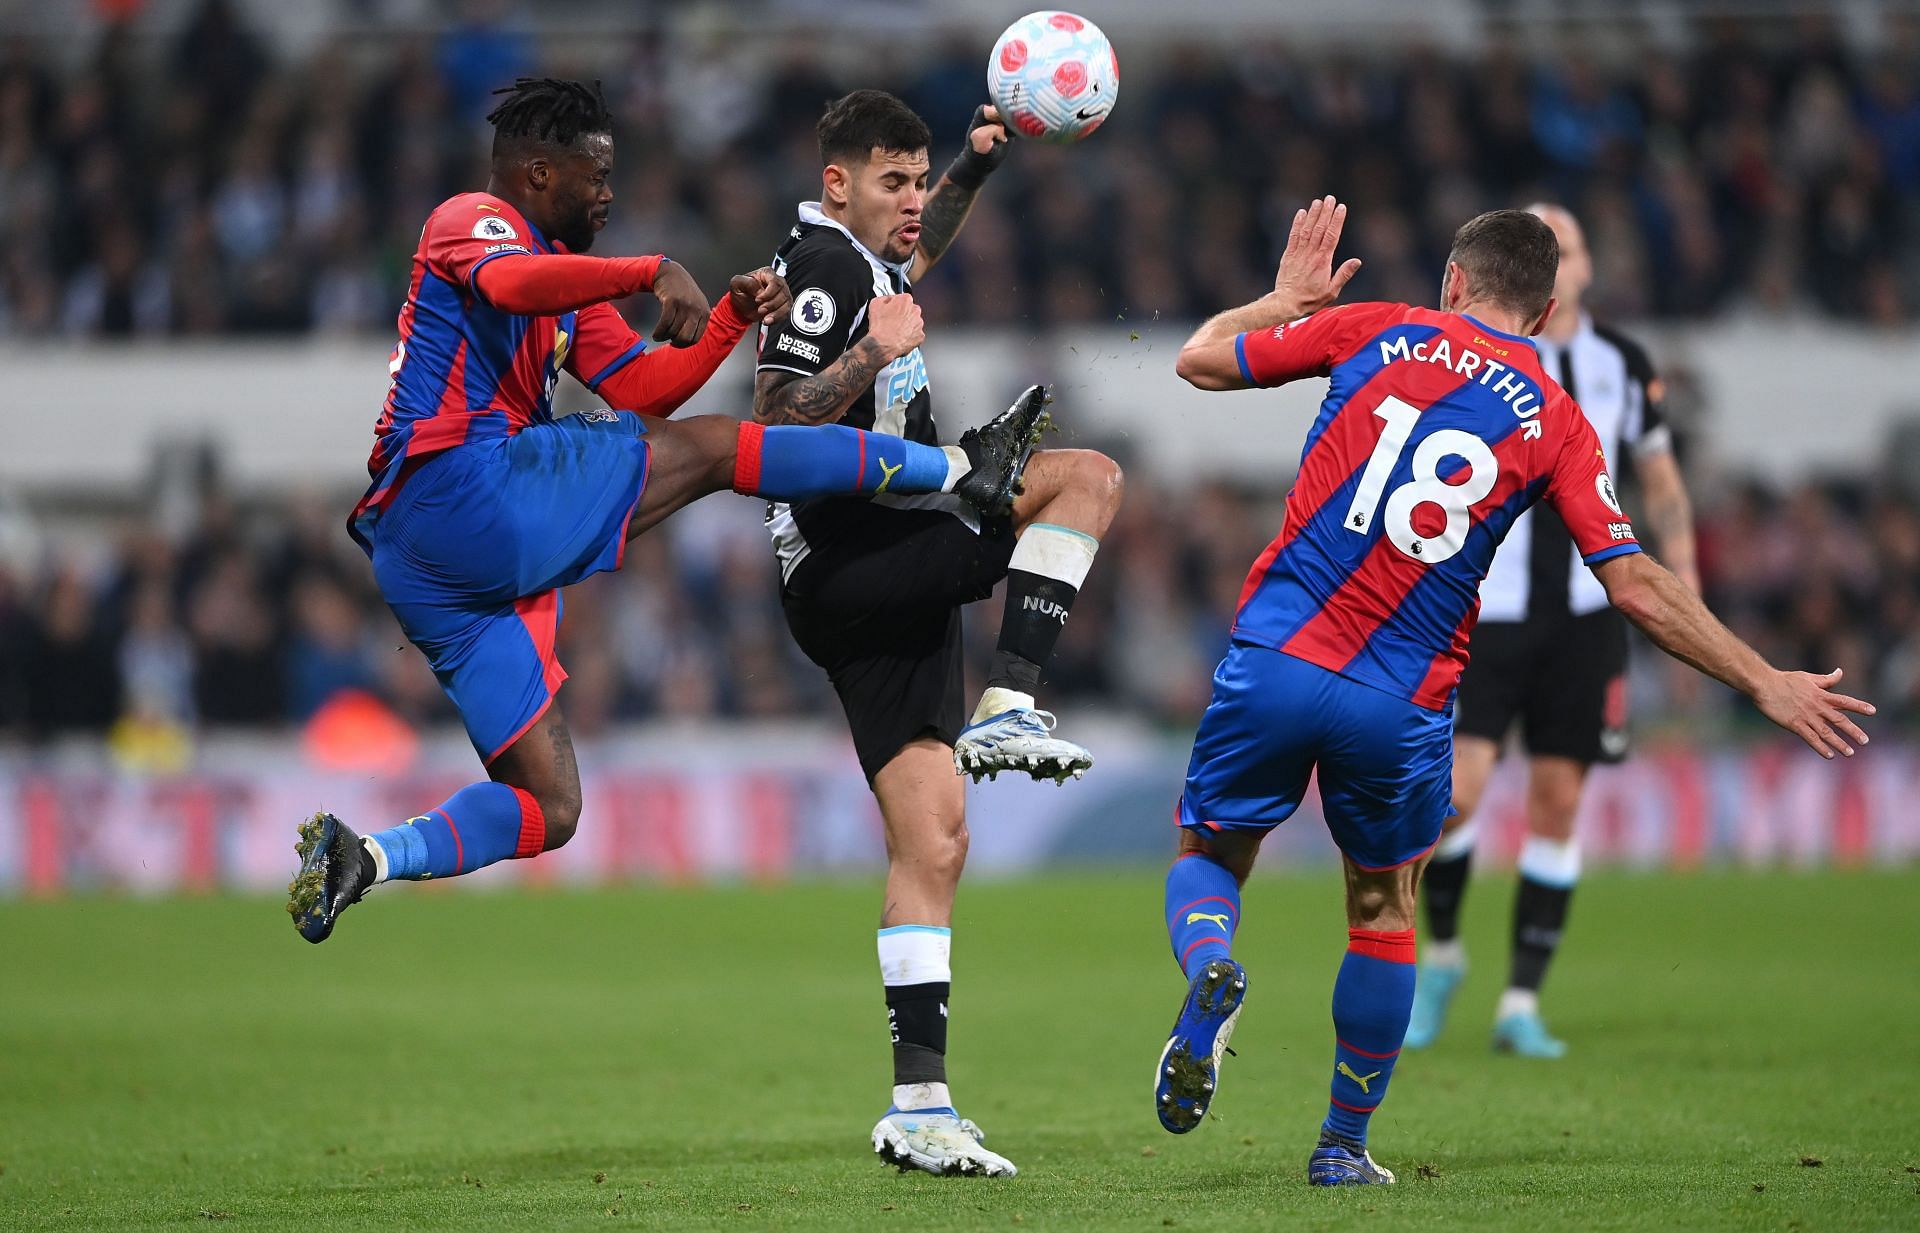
x=259, y=618
x=209, y=188
x=209, y=185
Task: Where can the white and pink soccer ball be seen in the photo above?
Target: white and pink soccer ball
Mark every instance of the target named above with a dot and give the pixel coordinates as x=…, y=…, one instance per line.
x=1053, y=76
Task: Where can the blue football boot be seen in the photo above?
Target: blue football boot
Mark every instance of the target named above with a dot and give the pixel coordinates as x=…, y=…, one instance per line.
x=1524, y=1034
x=1433, y=991
x=335, y=872
x=1189, y=1069
x=1339, y=1161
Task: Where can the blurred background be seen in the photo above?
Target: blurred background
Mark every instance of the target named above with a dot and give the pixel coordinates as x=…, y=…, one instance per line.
x=210, y=207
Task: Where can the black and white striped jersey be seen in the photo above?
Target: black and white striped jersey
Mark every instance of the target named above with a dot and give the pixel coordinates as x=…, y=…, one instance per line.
x=1537, y=572
x=833, y=276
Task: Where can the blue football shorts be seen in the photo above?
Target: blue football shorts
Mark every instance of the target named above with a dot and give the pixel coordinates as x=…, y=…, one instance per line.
x=472, y=552
x=1385, y=765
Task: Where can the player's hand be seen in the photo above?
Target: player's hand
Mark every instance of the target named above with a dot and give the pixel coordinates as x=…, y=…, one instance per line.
x=760, y=296
x=894, y=322
x=1307, y=281
x=1805, y=705
x=987, y=133
x=683, y=306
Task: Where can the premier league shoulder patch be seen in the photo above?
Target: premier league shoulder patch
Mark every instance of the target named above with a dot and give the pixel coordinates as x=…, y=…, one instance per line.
x=813, y=311
x=493, y=227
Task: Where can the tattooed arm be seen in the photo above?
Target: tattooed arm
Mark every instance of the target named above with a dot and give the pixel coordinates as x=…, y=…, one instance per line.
x=950, y=202
x=780, y=396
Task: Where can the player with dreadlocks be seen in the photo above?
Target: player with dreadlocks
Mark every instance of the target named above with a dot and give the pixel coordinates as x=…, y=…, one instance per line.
x=484, y=503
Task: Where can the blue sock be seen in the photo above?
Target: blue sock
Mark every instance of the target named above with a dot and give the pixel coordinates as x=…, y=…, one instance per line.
x=793, y=463
x=1203, y=910
x=479, y=825
x=1372, y=998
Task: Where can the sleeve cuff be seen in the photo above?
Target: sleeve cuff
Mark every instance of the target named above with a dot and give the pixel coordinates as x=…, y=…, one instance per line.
x=475, y=269
x=1607, y=554
x=725, y=315
x=620, y=361
x=1240, y=354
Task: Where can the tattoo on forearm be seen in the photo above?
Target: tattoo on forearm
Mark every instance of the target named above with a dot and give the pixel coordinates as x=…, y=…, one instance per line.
x=940, y=219
x=820, y=399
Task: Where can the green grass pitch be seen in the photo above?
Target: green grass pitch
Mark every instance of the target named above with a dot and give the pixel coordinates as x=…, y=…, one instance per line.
x=1744, y=1057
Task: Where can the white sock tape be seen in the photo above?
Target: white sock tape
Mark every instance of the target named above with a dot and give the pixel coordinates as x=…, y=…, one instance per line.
x=915, y=954
x=1060, y=553
x=1457, y=842
x=1553, y=862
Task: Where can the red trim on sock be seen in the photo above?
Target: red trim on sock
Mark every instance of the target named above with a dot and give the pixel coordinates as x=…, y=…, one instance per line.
x=1353, y=1108
x=1393, y=945
x=1201, y=942
x=1196, y=903
x=533, y=827
x=1378, y=1057
x=746, y=458
x=459, y=851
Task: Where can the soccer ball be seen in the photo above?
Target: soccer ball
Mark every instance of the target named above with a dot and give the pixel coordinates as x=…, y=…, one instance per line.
x=1053, y=76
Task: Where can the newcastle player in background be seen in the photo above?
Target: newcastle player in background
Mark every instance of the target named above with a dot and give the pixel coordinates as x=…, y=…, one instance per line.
x=873, y=587
x=1550, y=654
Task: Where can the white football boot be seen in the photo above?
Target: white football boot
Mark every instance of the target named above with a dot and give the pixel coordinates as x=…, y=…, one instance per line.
x=1019, y=738
x=937, y=1141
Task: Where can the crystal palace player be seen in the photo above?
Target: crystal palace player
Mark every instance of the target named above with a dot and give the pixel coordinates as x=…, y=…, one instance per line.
x=1549, y=652
x=484, y=504
x=873, y=588
x=1438, y=429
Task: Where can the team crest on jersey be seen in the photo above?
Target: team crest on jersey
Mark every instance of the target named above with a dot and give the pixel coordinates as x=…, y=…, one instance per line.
x=813, y=311
x=493, y=227
x=1604, y=486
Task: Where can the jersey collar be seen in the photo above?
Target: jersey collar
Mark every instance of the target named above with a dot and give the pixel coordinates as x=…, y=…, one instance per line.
x=810, y=212
x=1496, y=333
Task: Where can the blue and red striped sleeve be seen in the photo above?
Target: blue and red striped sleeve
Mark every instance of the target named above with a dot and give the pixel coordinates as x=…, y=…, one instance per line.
x=1309, y=346
x=468, y=231
x=1581, y=490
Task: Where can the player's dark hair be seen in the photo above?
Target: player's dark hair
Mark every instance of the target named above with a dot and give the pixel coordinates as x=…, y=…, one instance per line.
x=547, y=110
x=1511, y=256
x=866, y=120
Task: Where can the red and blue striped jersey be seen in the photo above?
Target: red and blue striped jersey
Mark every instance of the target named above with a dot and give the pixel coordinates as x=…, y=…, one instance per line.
x=1435, y=433
x=465, y=371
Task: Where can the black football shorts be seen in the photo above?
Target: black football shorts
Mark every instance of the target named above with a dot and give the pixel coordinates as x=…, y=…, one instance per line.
x=878, y=607
x=1563, y=679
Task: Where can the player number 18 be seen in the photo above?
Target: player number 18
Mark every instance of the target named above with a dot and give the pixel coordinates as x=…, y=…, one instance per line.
x=1425, y=488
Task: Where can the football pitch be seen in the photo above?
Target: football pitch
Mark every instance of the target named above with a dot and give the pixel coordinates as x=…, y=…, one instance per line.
x=1744, y=1057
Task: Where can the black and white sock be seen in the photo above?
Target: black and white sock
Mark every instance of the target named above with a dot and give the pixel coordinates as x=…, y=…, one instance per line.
x=1549, y=870
x=1444, y=888
x=1048, y=567
x=914, y=966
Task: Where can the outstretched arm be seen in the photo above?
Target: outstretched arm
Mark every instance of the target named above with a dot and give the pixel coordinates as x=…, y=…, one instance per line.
x=1306, y=282
x=549, y=284
x=952, y=198
x=657, y=382
x=1678, y=623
